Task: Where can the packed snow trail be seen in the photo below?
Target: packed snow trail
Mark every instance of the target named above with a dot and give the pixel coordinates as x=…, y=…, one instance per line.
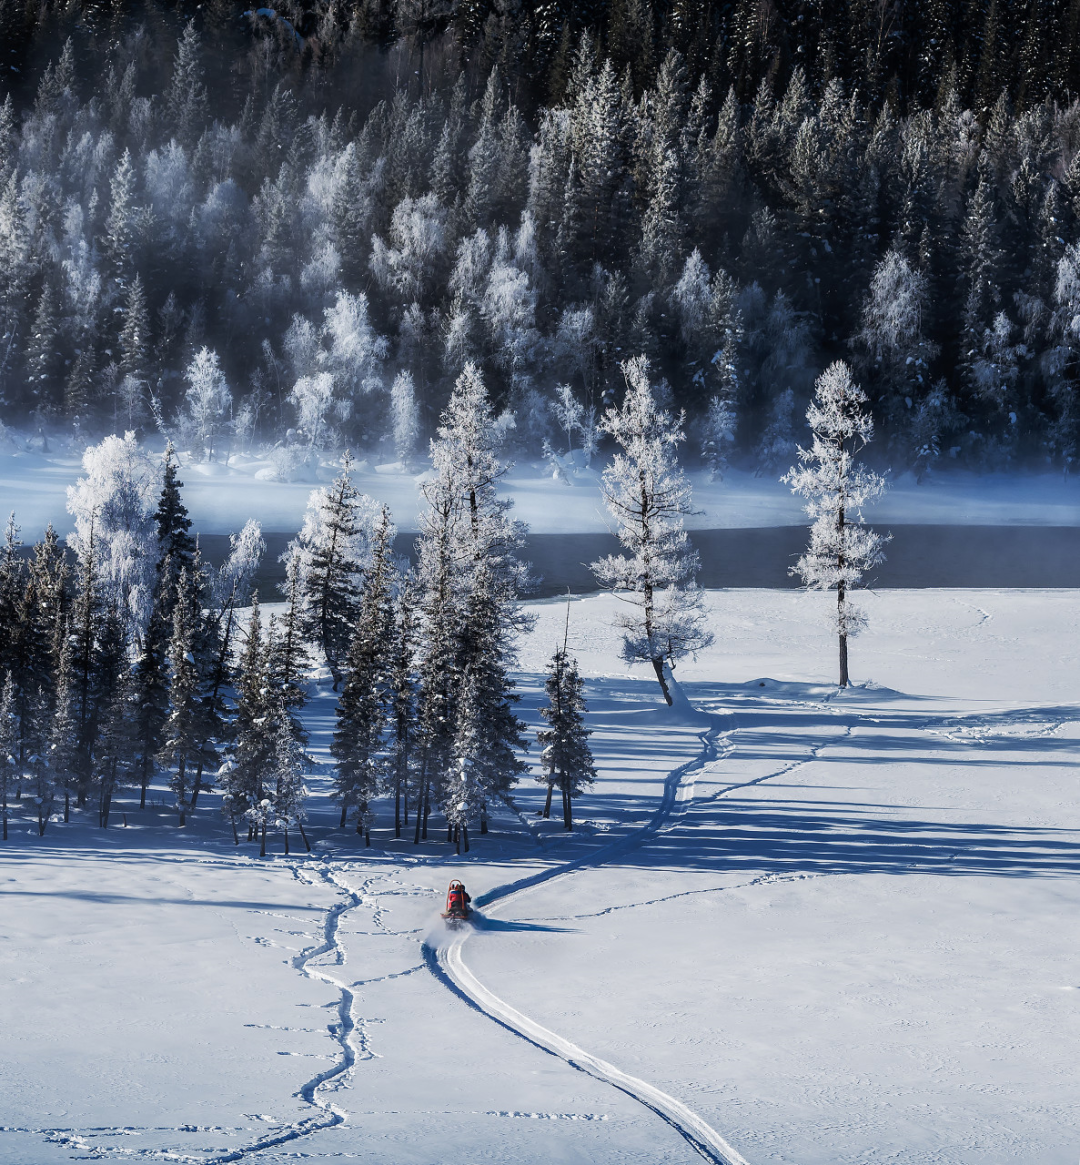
x=447, y=963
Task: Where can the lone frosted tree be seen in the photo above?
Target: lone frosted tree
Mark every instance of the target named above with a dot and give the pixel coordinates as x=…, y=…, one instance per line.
x=648, y=496
x=841, y=547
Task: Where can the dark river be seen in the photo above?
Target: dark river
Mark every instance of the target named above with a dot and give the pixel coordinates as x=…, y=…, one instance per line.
x=918, y=556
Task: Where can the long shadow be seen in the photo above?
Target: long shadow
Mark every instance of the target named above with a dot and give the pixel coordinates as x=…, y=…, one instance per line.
x=792, y=834
x=484, y=925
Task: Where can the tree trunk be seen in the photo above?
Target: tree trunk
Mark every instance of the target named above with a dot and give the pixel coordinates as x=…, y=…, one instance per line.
x=658, y=667
x=285, y=831
x=547, y=804
x=198, y=786
x=483, y=819
x=262, y=847
x=455, y=837
x=142, y=795
x=180, y=792
x=397, y=807
x=465, y=837
x=344, y=816
x=840, y=595
x=235, y=835
x=67, y=806
x=427, y=810
x=303, y=836
x=567, y=812
x=419, y=814
x=449, y=832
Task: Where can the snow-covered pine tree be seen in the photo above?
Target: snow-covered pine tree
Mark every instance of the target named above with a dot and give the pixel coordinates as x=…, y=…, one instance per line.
x=242, y=783
x=176, y=547
x=9, y=748
x=113, y=754
x=183, y=736
x=359, y=746
x=718, y=436
x=405, y=417
x=403, y=699
x=287, y=776
x=59, y=771
x=334, y=549
x=11, y=585
x=108, y=723
x=149, y=678
x=470, y=577
x=494, y=734
x=567, y=758
x=288, y=657
x=836, y=487
x=648, y=495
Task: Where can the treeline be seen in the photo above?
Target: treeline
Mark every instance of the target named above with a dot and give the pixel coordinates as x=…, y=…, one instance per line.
x=299, y=229
x=140, y=662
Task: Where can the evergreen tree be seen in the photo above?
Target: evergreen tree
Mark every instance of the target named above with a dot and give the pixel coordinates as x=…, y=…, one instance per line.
x=243, y=784
x=402, y=685
x=183, y=733
x=287, y=775
x=566, y=756
x=836, y=487
x=333, y=549
x=648, y=496
x=9, y=749
x=359, y=746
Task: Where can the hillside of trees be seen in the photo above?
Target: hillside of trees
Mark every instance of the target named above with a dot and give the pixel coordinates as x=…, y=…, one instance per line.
x=299, y=226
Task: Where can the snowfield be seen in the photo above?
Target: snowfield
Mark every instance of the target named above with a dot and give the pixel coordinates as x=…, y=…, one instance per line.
x=800, y=926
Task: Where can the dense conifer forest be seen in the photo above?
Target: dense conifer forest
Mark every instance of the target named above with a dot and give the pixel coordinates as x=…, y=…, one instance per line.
x=296, y=226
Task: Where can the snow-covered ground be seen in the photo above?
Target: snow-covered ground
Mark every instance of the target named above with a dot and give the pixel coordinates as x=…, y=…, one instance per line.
x=845, y=936
x=35, y=485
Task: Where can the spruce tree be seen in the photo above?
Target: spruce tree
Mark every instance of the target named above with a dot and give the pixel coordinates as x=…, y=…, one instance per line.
x=403, y=701
x=9, y=748
x=243, y=787
x=333, y=547
x=359, y=746
x=183, y=737
x=567, y=758
x=287, y=775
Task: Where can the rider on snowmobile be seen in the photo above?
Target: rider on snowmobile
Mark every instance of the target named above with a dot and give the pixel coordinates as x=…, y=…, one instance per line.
x=457, y=900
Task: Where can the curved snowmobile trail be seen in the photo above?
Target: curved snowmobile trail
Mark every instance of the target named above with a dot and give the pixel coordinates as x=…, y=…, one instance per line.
x=447, y=963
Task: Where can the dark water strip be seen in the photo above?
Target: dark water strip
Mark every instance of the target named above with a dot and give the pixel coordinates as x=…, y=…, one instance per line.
x=918, y=556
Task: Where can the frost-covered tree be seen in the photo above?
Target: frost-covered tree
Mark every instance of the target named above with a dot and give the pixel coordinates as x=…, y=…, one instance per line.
x=469, y=576
x=207, y=402
x=836, y=487
x=243, y=779
x=896, y=353
x=405, y=418
x=288, y=764
x=567, y=760
x=648, y=496
x=333, y=550
x=62, y=756
x=718, y=436
x=359, y=746
x=183, y=734
x=117, y=497
x=9, y=749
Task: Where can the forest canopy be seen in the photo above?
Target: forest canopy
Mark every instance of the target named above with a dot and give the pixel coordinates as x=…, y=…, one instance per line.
x=299, y=224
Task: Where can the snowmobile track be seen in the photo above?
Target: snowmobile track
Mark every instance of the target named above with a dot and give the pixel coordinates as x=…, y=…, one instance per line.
x=447, y=964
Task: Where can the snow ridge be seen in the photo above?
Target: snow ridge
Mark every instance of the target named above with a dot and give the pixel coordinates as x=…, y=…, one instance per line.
x=447, y=963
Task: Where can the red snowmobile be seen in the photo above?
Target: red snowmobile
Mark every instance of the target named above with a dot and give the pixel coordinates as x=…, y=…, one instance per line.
x=457, y=904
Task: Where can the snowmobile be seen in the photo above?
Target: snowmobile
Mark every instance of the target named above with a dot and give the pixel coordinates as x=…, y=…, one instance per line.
x=457, y=905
